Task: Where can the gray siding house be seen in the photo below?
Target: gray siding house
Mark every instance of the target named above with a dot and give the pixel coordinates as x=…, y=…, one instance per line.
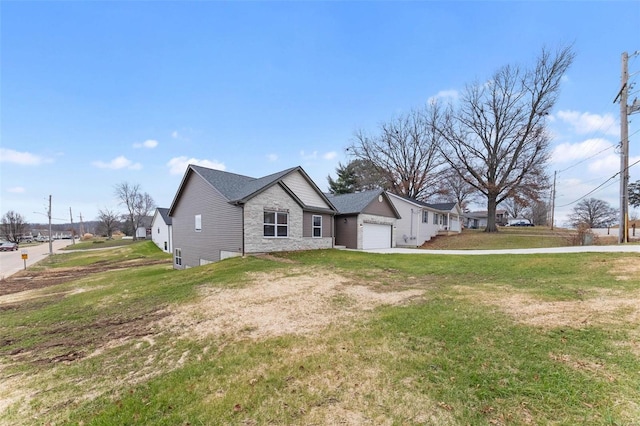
x=216, y=215
x=365, y=220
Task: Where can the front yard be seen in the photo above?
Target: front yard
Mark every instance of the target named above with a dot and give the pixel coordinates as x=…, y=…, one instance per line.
x=322, y=337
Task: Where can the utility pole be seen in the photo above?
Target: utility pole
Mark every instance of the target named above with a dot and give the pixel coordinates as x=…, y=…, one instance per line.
x=73, y=231
x=81, y=226
x=625, y=111
x=50, y=235
x=553, y=199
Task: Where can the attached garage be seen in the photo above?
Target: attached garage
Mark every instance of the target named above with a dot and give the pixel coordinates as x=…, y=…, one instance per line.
x=365, y=220
x=376, y=236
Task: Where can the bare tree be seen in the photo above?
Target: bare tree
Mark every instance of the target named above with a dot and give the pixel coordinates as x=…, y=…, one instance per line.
x=593, y=213
x=453, y=188
x=496, y=137
x=404, y=152
x=108, y=221
x=537, y=213
x=13, y=226
x=138, y=204
x=514, y=206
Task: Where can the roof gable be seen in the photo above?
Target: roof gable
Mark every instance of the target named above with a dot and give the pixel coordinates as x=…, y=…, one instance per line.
x=238, y=189
x=164, y=214
x=357, y=202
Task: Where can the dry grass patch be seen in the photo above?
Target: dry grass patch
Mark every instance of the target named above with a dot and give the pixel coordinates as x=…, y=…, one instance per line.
x=300, y=301
x=626, y=269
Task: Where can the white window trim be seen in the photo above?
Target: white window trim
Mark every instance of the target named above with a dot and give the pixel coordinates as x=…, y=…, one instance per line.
x=314, y=227
x=198, y=224
x=177, y=255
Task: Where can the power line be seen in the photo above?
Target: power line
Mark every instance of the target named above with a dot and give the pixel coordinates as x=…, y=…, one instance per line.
x=592, y=191
x=603, y=183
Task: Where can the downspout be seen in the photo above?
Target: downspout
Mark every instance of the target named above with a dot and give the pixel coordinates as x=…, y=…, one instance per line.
x=411, y=228
x=333, y=231
x=242, y=207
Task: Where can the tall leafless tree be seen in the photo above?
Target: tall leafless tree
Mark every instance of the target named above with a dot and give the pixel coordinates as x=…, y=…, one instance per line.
x=108, y=221
x=13, y=226
x=496, y=136
x=593, y=213
x=454, y=188
x=138, y=204
x=404, y=152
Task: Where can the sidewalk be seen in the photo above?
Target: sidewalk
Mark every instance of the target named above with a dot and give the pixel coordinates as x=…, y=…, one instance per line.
x=621, y=248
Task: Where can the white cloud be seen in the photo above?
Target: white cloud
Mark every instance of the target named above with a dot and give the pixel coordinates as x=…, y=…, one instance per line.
x=21, y=158
x=314, y=155
x=330, y=155
x=311, y=156
x=182, y=135
x=585, y=122
x=567, y=152
x=607, y=165
x=445, y=95
x=178, y=165
x=149, y=143
x=272, y=157
x=16, y=190
x=118, y=163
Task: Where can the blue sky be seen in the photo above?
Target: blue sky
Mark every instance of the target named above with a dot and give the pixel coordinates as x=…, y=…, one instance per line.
x=93, y=94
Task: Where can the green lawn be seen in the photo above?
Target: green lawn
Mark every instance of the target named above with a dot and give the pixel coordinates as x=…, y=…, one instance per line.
x=325, y=337
x=510, y=238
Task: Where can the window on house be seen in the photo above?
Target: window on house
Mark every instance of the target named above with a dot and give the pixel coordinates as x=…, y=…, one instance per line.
x=276, y=224
x=425, y=216
x=198, y=222
x=165, y=246
x=435, y=218
x=317, y=226
x=178, y=256
x=445, y=219
x=158, y=230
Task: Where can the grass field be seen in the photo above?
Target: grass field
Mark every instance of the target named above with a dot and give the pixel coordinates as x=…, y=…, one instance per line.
x=512, y=237
x=322, y=337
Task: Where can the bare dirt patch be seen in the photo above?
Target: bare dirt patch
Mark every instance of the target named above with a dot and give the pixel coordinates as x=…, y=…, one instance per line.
x=37, y=279
x=299, y=302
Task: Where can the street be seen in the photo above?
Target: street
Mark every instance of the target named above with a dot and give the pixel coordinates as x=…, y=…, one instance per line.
x=12, y=262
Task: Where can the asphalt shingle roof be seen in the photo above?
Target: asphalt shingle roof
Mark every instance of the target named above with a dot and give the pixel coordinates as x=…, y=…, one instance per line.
x=236, y=187
x=164, y=213
x=355, y=202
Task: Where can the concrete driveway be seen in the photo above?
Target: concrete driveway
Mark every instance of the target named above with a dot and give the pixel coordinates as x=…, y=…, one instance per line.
x=622, y=248
x=12, y=262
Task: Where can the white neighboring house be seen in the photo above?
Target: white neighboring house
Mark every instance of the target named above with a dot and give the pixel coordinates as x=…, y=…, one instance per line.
x=161, y=230
x=422, y=221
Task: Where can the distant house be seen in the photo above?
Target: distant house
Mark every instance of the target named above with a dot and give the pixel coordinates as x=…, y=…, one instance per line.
x=422, y=221
x=161, y=230
x=144, y=228
x=365, y=220
x=217, y=214
x=478, y=219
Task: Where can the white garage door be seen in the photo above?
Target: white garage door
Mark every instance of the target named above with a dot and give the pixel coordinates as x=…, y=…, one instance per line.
x=376, y=236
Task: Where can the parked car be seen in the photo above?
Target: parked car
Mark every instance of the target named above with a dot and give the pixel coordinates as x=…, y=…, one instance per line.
x=8, y=246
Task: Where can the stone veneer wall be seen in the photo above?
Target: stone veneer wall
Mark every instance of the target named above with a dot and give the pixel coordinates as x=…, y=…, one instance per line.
x=276, y=199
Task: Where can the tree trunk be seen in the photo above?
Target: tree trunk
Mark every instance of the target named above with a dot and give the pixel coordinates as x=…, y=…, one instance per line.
x=491, y=213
